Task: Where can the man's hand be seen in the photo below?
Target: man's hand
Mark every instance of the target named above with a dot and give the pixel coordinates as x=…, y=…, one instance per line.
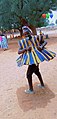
x=40, y=48
x=29, y=48
x=21, y=51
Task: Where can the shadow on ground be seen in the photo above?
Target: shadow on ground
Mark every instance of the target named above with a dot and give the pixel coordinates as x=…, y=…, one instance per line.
x=32, y=101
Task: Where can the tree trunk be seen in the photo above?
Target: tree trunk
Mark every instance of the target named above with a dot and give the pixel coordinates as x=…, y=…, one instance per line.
x=25, y=23
x=33, y=28
x=20, y=29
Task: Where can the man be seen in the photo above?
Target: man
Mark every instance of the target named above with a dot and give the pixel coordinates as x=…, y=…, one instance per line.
x=31, y=68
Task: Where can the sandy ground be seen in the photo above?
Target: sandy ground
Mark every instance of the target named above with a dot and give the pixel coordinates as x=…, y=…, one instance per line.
x=14, y=103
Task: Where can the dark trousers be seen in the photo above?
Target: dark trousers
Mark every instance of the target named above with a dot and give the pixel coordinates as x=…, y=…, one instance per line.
x=33, y=69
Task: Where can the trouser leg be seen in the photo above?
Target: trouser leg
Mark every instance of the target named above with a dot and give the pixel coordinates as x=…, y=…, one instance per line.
x=29, y=77
x=39, y=75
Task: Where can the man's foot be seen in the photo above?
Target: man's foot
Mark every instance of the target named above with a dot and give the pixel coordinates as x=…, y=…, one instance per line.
x=5, y=49
x=29, y=91
x=41, y=86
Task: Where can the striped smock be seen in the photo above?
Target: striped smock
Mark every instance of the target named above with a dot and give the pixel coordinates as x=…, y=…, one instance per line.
x=35, y=56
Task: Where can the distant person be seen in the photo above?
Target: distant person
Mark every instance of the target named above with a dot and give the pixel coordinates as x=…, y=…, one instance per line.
x=41, y=33
x=0, y=41
x=4, y=42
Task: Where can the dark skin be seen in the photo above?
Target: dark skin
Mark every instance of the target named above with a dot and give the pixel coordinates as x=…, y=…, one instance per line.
x=24, y=50
x=42, y=46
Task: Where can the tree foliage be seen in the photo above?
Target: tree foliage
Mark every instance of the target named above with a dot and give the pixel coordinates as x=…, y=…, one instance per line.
x=14, y=11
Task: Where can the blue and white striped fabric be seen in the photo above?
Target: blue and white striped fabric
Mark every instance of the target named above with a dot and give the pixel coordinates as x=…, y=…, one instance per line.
x=4, y=43
x=35, y=56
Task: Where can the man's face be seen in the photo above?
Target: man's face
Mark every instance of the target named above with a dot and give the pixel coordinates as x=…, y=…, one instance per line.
x=25, y=34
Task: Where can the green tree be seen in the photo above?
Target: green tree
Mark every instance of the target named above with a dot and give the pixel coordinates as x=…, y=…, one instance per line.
x=20, y=12
x=5, y=11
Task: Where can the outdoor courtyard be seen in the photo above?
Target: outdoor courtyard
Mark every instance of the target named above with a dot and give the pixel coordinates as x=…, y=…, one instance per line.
x=14, y=103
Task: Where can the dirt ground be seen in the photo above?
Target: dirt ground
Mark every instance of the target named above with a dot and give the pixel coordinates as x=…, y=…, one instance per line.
x=14, y=103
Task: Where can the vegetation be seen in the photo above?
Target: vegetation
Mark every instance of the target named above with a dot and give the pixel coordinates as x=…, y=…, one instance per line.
x=15, y=13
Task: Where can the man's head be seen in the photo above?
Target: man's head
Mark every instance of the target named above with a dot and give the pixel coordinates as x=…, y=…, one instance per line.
x=26, y=31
